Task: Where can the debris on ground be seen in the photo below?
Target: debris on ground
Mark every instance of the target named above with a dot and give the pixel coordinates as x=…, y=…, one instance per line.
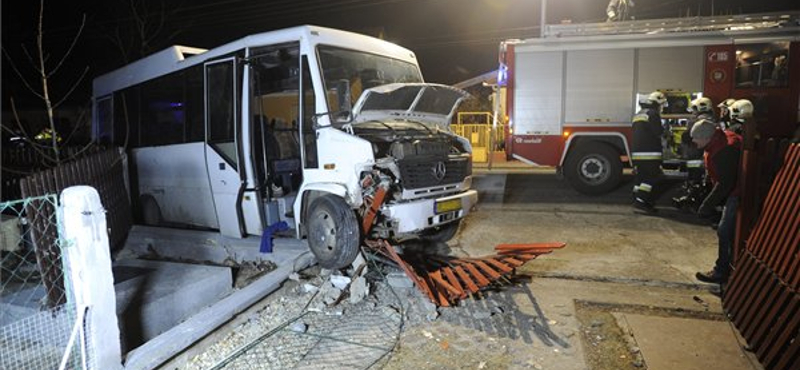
x=445, y=280
x=340, y=281
x=359, y=289
x=298, y=327
x=330, y=293
x=248, y=272
x=399, y=280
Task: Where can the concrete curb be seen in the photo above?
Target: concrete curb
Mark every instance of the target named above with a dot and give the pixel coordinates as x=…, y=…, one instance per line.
x=170, y=343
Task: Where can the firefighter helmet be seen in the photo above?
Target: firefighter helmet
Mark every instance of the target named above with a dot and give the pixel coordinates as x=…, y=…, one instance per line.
x=657, y=97
x=701, y=105
x=742, y=109
x=726, y=103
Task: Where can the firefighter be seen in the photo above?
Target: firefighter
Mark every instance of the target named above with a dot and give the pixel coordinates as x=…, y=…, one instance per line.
x=646, y=150
x=725, y=114
x=46, y=136
x=722, y=151
x=694, y=188
x=739, y=111
x=617, y=10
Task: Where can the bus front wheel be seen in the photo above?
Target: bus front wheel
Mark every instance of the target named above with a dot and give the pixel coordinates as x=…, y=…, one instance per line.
x=333, y=232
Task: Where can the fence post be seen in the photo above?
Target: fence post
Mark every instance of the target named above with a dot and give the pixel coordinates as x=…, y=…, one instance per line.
x=88, y=267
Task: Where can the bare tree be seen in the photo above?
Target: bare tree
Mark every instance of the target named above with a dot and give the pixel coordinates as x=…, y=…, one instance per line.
x=45, y=72
x=145, y=27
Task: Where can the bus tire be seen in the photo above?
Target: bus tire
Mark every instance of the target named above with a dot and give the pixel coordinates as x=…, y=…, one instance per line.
x=333, y=232
x=593, y=169
x=442, y=233
x=151, y=213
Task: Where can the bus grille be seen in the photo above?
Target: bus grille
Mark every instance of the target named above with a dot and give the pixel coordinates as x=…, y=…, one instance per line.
x=425, y=173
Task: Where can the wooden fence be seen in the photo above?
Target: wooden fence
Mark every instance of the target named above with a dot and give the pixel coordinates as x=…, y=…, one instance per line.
x=22, y=162
x=762, y=297
x=104, y=172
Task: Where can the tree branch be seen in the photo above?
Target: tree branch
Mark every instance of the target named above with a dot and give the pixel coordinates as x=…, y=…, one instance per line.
x=78, y=153
x=25, y=135
x=79, y=119
x=72, y=46
x=45, y=86
x=21, y=77
x=75, y=85
x=29, y=56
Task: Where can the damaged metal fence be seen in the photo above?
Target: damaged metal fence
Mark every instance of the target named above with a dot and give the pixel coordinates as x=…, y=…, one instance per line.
x=322, y=340
x=445, y=279
x=762, y=297
x=37, y=327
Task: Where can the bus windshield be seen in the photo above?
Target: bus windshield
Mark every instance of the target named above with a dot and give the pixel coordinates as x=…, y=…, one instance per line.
x=359, y=71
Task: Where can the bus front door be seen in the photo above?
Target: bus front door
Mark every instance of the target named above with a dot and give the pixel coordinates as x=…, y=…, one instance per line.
x=222, y=154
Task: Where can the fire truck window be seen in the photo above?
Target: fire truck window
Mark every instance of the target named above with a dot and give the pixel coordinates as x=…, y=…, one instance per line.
x=762, y=65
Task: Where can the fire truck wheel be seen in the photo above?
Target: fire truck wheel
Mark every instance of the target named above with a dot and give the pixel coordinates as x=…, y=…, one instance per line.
x=594, y=168
x=442, y=233
x=333, y=232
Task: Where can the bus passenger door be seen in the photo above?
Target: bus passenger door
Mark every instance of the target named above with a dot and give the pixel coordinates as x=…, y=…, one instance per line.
x=221, y=150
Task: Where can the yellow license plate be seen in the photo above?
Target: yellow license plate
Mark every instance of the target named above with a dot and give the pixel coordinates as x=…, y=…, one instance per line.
x=448, y=205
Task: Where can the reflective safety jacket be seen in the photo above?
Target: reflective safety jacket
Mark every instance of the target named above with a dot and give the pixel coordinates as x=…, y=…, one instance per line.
x=722, y=163
x=46, y=135
x=647, y=133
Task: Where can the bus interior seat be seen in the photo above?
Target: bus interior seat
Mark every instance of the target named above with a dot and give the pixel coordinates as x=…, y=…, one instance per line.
x=287, y=173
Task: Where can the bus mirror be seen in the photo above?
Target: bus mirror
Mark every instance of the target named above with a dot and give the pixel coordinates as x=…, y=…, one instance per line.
x=343, y=97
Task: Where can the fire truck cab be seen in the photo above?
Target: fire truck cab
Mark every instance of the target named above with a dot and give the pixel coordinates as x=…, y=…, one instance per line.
x=572, y=93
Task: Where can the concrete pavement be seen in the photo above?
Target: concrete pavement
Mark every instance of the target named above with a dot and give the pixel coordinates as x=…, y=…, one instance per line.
x=639, y=268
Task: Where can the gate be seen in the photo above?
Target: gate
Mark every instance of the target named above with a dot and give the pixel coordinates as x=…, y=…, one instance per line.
x=476, y=127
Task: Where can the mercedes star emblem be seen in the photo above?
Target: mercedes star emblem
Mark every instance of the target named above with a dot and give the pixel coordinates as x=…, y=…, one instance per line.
x=439, y=170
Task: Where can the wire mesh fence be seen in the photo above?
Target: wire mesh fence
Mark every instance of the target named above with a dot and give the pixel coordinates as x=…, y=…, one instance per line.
x=37, y=324
x=357, y=338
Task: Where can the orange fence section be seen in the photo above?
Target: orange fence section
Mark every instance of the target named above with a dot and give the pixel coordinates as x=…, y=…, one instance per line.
x=762, y=297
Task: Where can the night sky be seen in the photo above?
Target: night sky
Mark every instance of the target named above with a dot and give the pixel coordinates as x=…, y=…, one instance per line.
x=453, y=39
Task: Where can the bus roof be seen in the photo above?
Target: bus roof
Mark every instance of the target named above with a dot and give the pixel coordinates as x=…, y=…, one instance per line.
x=178, y=57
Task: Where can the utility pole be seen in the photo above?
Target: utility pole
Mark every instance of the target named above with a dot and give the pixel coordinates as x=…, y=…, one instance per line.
x=543, y=20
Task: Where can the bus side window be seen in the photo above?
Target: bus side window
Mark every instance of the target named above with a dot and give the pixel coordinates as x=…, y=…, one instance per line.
x=104, y=130
x=221, y=119
x=162, y=108
x=126, y=118
x=195, y=120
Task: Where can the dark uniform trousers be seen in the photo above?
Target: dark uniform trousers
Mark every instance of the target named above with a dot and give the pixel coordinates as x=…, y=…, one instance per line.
x=648, y=172
x=646, y=152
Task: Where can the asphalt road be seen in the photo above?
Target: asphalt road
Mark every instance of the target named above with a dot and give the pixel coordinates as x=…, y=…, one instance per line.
x=605, y=238
x=544, y=186
x=628, y=263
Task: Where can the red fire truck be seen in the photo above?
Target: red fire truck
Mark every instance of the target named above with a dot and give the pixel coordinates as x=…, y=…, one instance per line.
x=570, y=95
